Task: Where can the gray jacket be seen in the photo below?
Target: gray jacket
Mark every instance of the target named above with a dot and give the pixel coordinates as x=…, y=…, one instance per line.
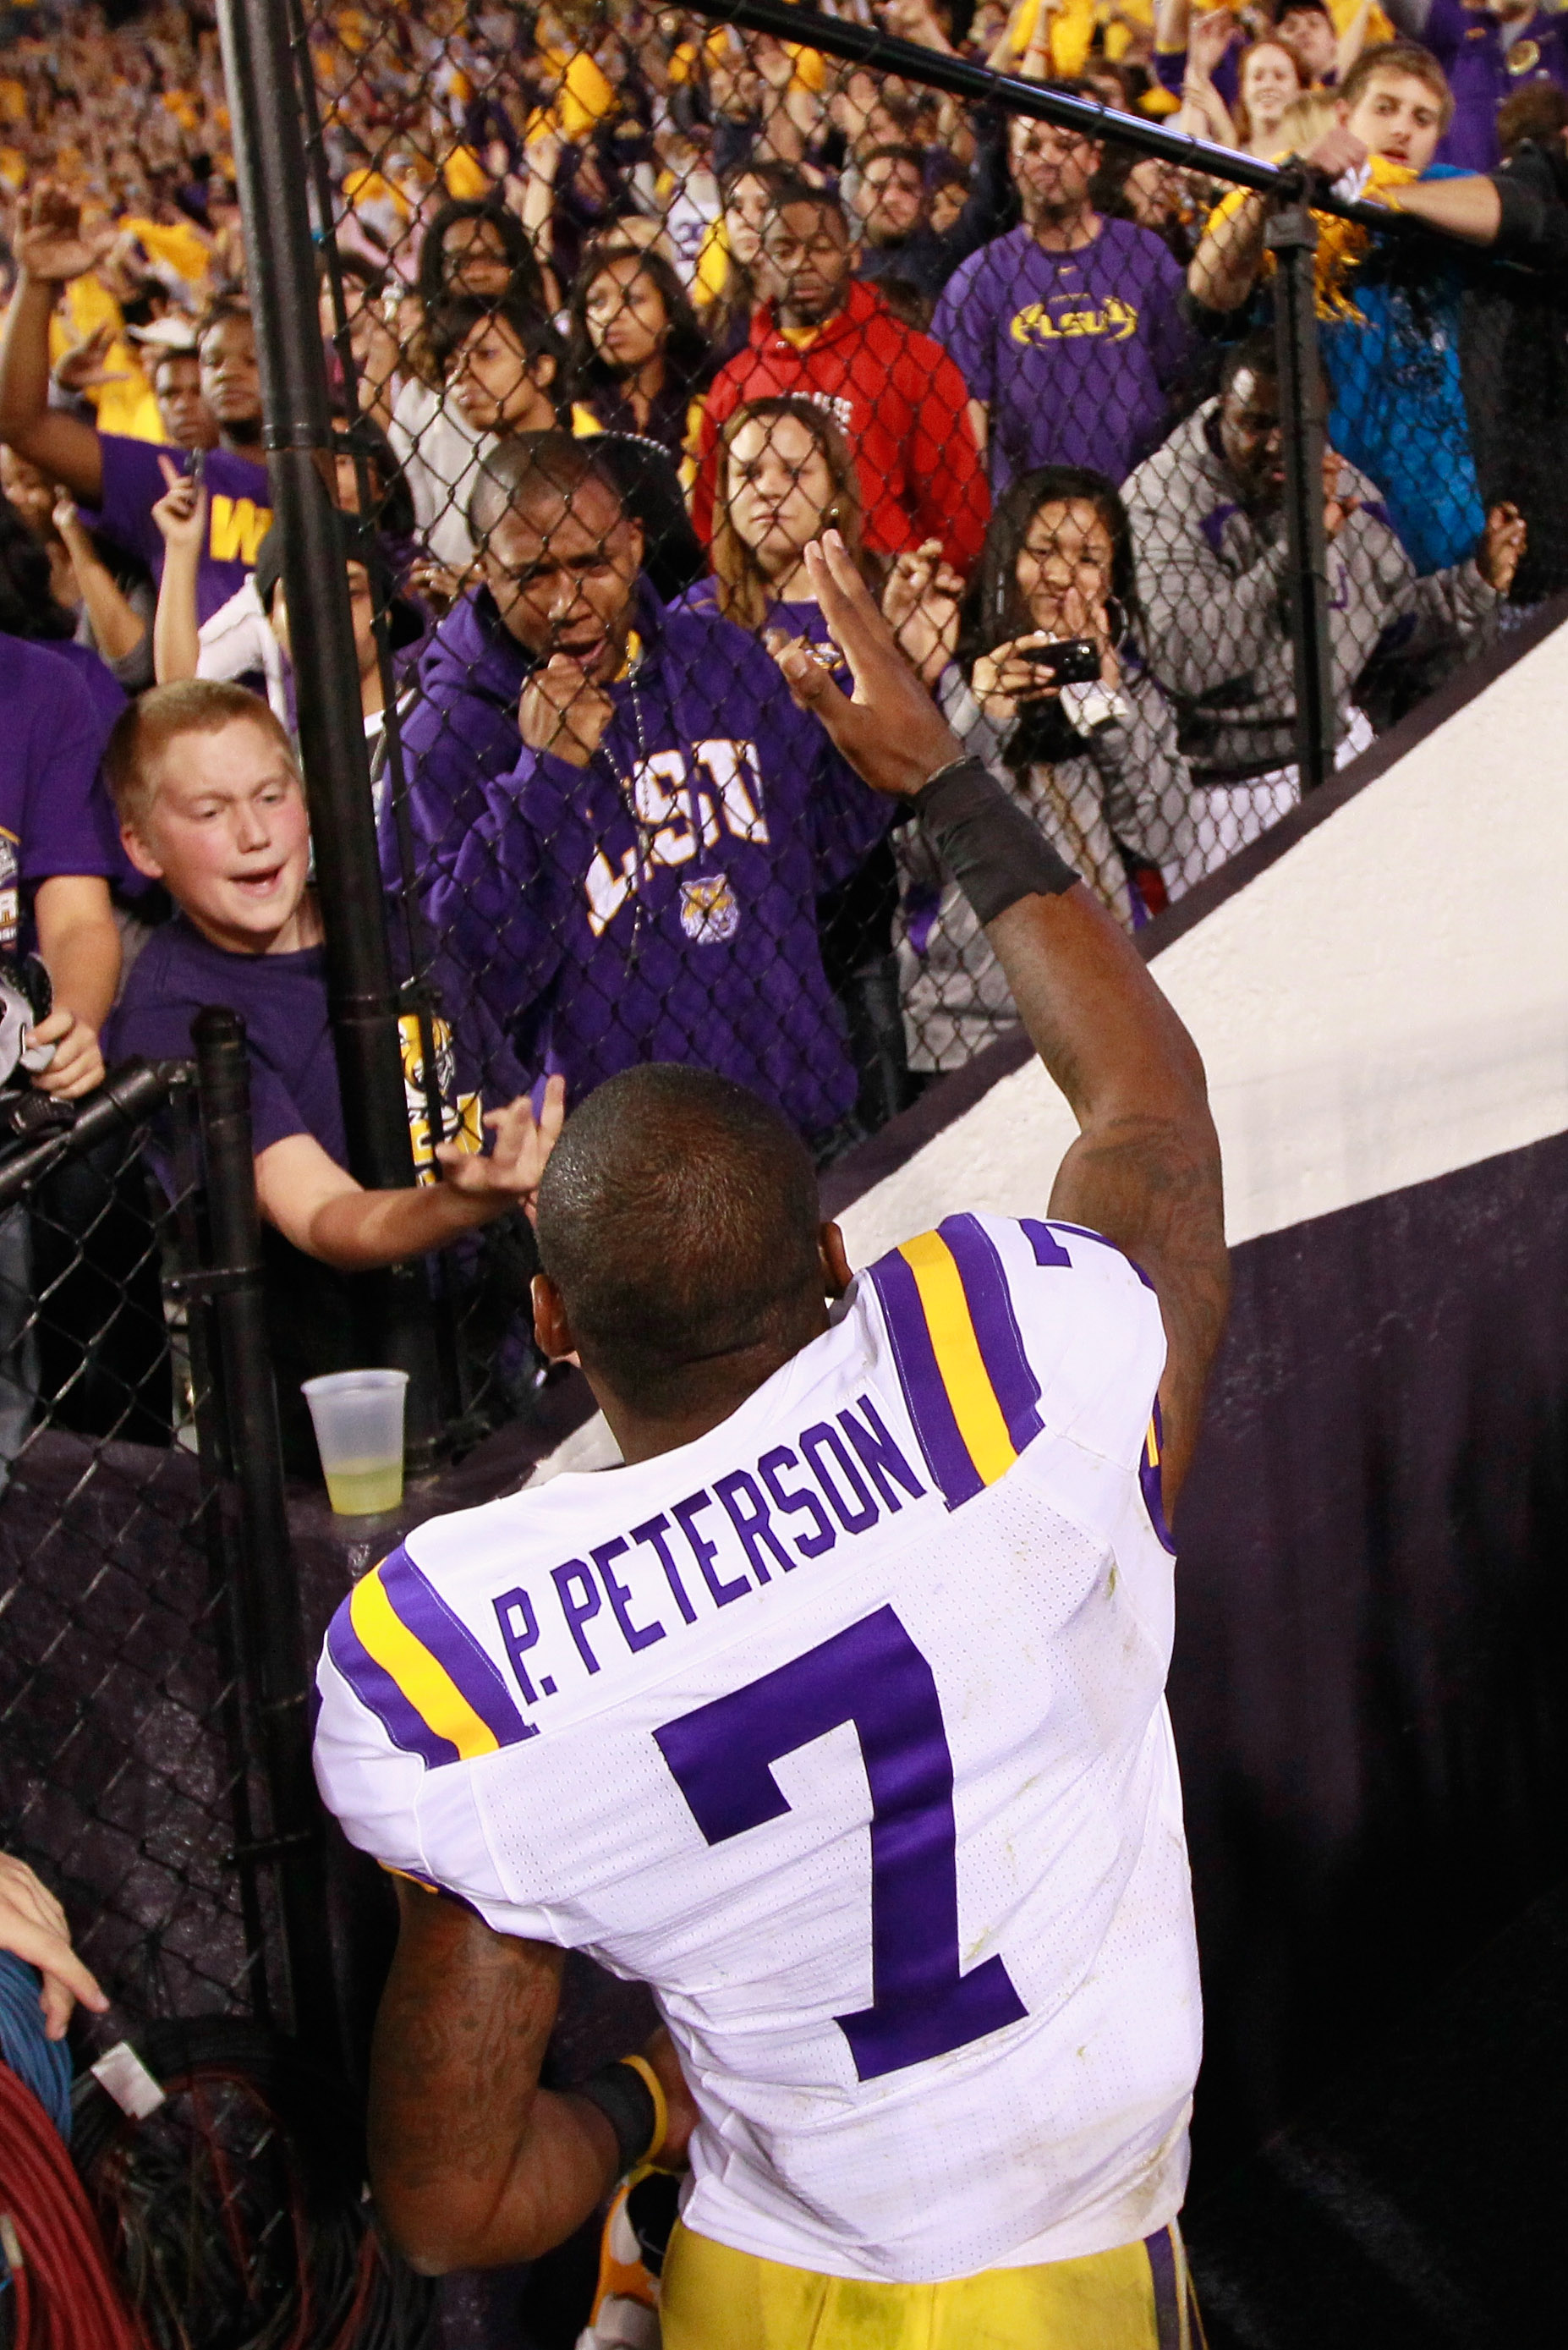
x=1211, y=578
x=1129, y=785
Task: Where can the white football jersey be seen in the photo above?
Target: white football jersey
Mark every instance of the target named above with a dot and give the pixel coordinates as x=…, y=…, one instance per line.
x=843, y=1728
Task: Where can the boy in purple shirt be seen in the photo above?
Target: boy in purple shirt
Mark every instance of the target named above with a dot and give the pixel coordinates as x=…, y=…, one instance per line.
x=119, y=478
x=210, y=804
x=1068, y=330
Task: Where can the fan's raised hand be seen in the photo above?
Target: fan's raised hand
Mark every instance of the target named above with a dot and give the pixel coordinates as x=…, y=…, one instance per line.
x=889, y=729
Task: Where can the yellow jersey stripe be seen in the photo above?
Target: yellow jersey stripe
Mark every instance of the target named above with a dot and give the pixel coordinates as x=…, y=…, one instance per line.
x=422, y=1677
x=981, y=1421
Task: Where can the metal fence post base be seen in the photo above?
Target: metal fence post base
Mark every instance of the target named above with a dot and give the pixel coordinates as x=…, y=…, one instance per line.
x=269, y=162
x=275, y=1662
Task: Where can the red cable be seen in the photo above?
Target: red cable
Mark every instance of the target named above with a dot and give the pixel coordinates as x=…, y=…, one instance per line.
x=67, y=2295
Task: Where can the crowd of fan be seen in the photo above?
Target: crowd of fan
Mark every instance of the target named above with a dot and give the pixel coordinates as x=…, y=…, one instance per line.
x=622, y=312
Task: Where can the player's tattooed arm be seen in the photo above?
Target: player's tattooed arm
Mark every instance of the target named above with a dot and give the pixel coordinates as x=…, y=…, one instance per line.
x=472, y=2165
x=1144, y=1169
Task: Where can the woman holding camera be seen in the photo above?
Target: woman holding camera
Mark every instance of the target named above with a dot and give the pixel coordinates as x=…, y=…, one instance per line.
x=1038, y=673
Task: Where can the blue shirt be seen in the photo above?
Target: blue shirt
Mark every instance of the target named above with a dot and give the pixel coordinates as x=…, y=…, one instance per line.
x=1399, y=407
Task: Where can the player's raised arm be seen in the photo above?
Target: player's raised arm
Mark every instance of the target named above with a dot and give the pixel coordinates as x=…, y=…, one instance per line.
x=1144, y=1169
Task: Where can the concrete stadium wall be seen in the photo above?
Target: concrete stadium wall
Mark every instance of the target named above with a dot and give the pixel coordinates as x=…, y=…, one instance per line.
x=1385, y=1002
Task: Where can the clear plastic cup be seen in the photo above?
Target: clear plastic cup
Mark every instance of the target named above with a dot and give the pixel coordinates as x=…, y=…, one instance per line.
x=358, y=1420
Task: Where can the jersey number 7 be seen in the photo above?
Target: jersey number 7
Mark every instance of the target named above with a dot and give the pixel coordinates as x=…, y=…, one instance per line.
x=873, y=1675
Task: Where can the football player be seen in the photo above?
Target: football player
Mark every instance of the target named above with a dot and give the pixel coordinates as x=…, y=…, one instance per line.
x=836, y=1713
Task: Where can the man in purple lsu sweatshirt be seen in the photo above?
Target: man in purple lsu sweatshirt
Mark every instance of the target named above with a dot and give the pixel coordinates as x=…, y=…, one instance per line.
x=623, y=823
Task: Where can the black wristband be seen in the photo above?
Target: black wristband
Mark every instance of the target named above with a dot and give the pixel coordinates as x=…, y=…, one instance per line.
x=994, y=851
x=625, y=2101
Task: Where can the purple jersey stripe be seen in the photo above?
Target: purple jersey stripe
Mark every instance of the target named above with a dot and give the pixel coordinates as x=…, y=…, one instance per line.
x=1048, y=1248
x=947, y=1455
x=420, y=1605
x=1148, y=1478
x=1084, y=1233
x=979, y=1268
x=375, y=1688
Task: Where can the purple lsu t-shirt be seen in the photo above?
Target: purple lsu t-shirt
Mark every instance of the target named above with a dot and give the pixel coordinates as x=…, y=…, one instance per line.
x=281, y=998
x=1072, y=353
x=55, y=814
x=238, y=513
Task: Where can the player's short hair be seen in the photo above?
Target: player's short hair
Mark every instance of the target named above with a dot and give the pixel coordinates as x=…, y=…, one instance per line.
x=678, y=1217
x=535, y=469
x=145, y=729
x=1398, y=58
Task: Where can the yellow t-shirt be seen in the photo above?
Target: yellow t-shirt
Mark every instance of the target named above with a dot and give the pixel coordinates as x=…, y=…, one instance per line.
x=465, y=176
x=371, y=187
x=587, y=96
x=1072, y=33
x=178, y=244
x=810, y=65
x=712, y=270
x=126, y=408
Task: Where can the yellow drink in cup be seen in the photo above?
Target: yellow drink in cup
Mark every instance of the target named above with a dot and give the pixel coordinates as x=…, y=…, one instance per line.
x=362, y=1489
x=358, y=1421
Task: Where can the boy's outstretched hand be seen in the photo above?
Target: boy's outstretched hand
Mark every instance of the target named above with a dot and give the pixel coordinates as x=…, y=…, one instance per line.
x=890, y=730
x=518, y=1155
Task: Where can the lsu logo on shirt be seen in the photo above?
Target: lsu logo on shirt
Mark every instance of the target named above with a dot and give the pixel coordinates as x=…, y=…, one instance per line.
x=680, y=812
x=709, y=911
x=1040, y=323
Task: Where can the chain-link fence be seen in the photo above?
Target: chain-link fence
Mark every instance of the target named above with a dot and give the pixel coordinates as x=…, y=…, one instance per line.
x=124, y=1777
x=154, y=1755
x=143, y=1611
x=626, y=307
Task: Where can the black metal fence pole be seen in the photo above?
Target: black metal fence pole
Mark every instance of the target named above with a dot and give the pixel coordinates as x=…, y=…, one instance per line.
x=275, y=1660
x=1292, y=241
x=270, y=167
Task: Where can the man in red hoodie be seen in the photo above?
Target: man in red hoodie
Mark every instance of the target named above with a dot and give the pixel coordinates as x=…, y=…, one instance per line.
x=902, y=404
